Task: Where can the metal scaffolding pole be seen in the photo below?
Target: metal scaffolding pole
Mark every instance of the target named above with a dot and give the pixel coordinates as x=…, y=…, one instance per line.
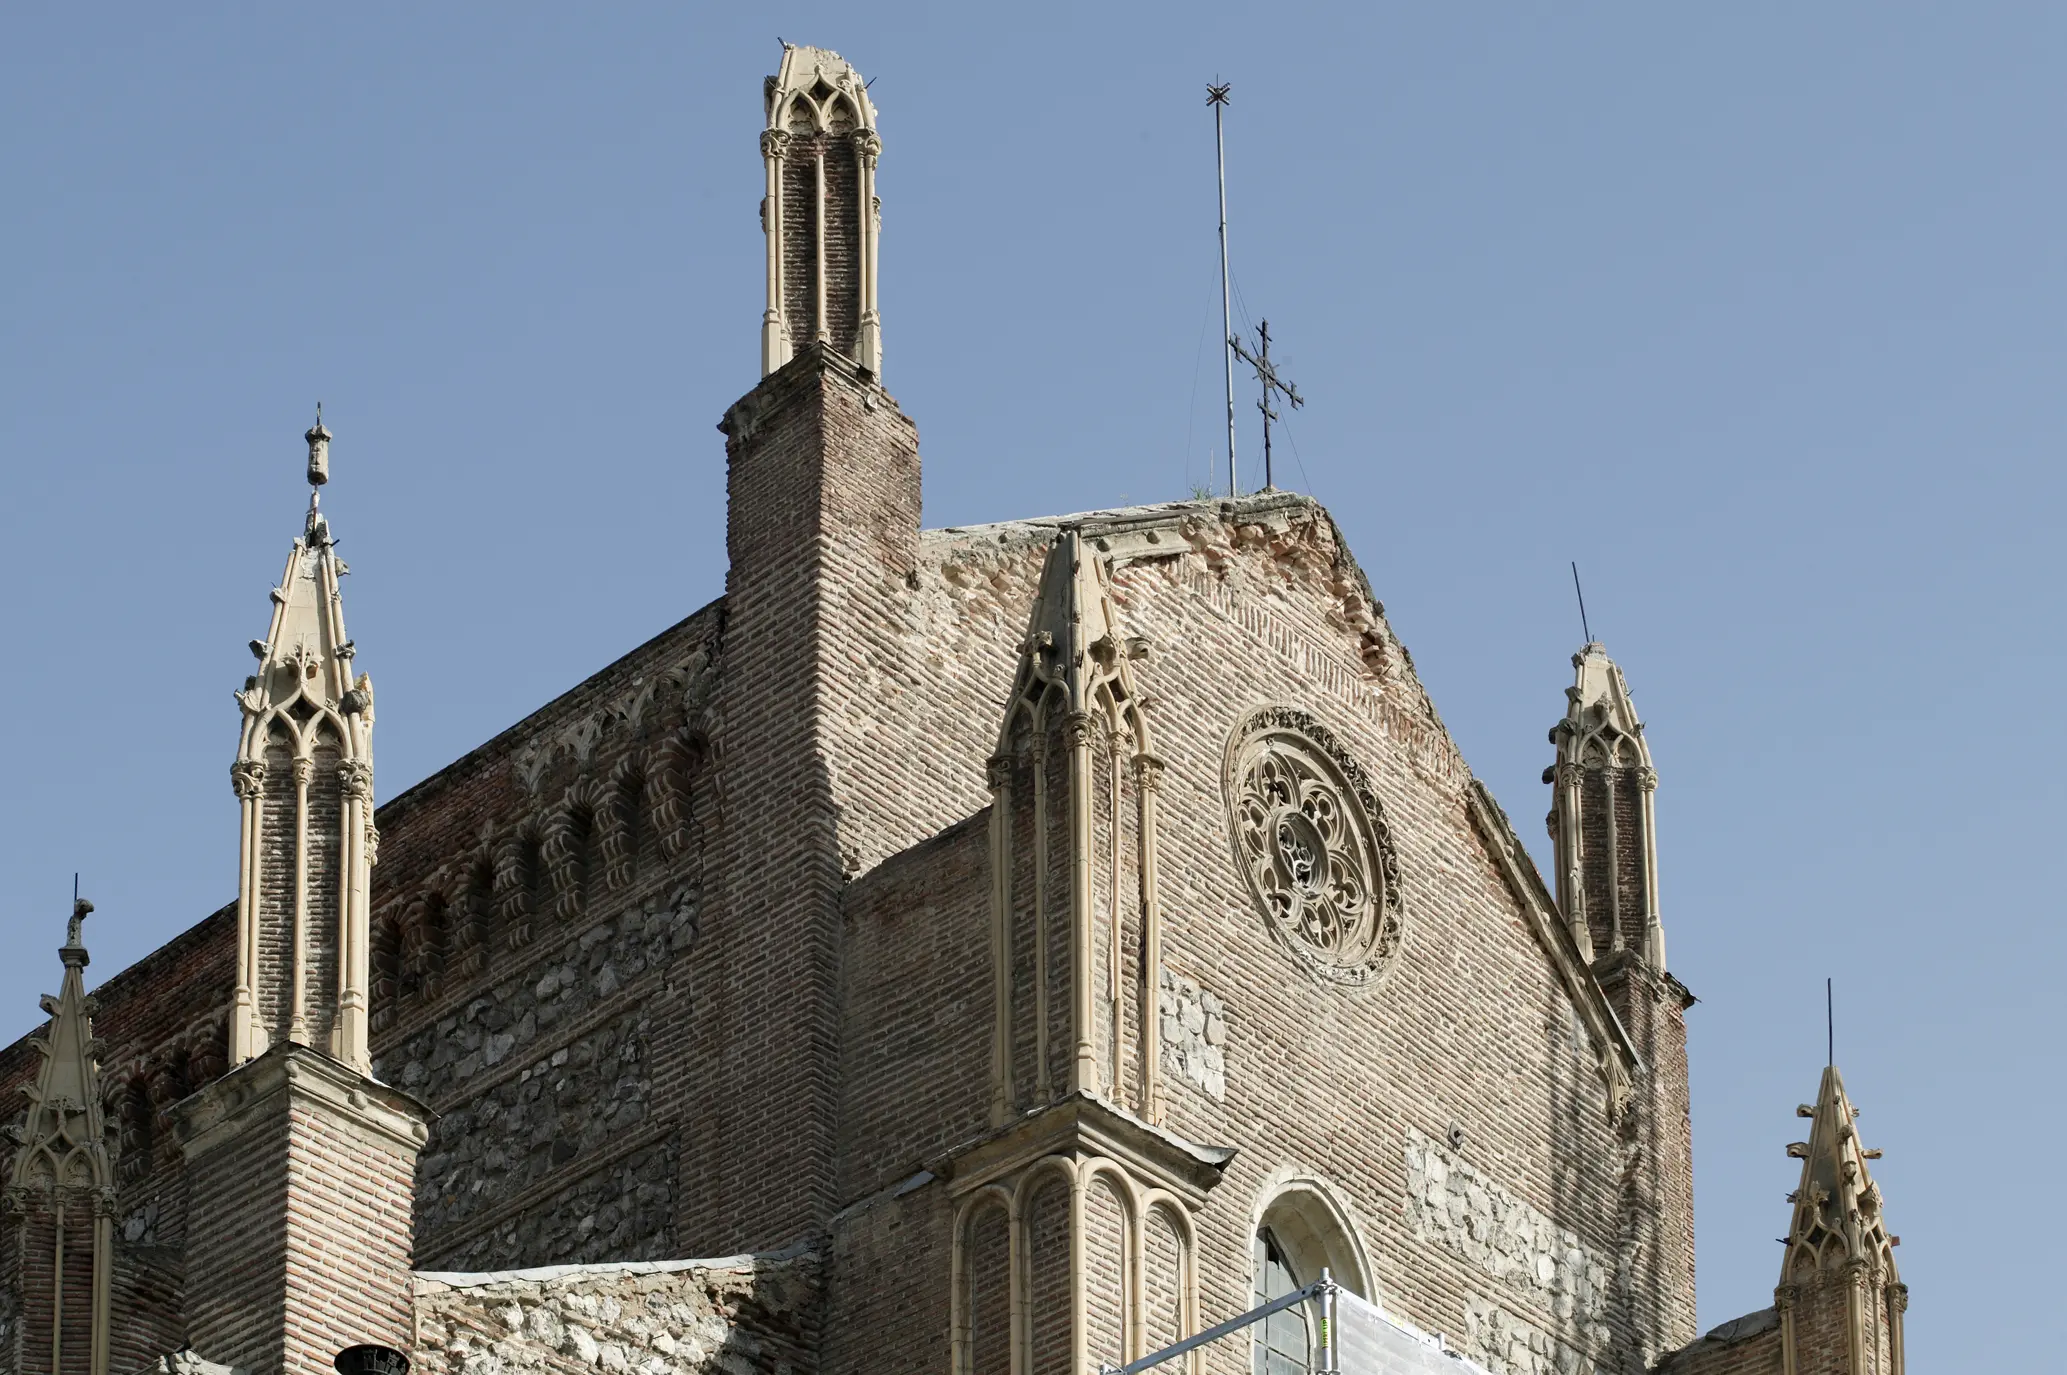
x=1323, y=1289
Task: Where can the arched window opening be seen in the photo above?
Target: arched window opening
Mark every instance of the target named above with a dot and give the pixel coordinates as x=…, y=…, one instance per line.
x=384, y=966
x=1283, y=1343
x=1301, y=1232
x=585, y=840
x=631, y=815
x=530, y=871
x=478, y=920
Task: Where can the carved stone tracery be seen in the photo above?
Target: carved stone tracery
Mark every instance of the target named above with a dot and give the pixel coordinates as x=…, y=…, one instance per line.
x=1312, y=842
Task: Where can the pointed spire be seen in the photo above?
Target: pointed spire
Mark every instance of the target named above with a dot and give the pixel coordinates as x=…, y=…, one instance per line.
x=62, y=1146
x=1073, y=659
x=304, y=773
x=1840, y=1295
x=63, y=1182
x=1837, y=1208
x=1603, y=816
x=1073, y=727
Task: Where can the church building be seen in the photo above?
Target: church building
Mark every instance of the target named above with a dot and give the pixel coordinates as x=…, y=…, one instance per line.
x=1001, y=950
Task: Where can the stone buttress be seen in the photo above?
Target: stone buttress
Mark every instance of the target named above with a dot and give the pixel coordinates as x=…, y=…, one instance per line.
x=60, y=1198
x=300, y=1167
x=1604, y=827
x=1073, y=820
x=822, y=534
x=1074, y=1237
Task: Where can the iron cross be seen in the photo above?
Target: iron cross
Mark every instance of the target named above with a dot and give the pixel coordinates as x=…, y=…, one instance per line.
x=1267, y=374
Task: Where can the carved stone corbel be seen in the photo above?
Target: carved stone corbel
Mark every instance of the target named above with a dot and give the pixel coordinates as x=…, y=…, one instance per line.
x=248, y=778
x=355, y=778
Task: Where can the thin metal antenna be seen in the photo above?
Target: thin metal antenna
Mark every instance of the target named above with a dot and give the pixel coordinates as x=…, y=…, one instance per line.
x=1216, y=96
x=1267, y=374
x=1830, y=1021
x=1583, y=626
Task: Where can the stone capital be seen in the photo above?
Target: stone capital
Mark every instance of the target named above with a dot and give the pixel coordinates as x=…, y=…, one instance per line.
x=303, y=769
x=1569, y=774
x=1078, y=729
x=774, y=143
x=1647, y=779
x=1148, y=772
x=999, y=772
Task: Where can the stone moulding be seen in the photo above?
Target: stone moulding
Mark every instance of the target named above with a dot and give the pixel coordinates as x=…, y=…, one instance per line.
x=237, y=1102
x=1086, y=1122
x=1614, y=1052
x=1311, y=839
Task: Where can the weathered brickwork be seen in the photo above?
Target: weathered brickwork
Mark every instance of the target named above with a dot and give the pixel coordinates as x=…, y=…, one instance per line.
x=301, y=1176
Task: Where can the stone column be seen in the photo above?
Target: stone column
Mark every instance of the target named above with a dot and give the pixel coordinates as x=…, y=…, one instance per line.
x=1083, y=1077
x=1148, y=781
x=1000, y=779
x=775, y=341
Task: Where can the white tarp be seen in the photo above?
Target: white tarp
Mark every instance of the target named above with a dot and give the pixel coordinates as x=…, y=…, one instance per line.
x=1369, y=1343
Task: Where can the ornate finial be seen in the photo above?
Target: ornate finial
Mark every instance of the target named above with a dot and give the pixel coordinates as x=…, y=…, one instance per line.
x=75, y=944
x=319, y=450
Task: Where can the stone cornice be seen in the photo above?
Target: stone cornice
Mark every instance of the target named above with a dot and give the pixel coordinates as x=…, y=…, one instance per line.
x=288, y=1076
x=1087, y=1124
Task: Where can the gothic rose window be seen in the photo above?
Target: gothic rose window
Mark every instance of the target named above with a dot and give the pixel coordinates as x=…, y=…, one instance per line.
x=1311, y=840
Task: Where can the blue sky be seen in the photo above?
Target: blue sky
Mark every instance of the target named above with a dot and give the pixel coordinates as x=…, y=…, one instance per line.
x=1755, y=311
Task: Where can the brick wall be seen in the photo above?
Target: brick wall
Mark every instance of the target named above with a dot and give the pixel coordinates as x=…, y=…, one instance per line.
x=916, y=1015
x=1252, y=603
x=823, y=520
x=454, y=971
x=1658, y=1197
x=298, y=1243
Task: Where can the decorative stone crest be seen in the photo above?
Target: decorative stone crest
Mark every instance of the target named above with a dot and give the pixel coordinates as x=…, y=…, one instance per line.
x=1311, y=838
